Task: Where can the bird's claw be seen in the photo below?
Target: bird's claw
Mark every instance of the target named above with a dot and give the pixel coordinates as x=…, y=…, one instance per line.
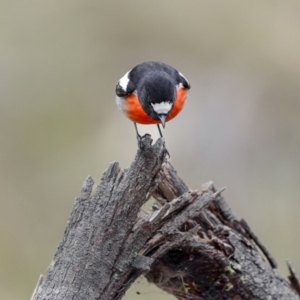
x=140, y=138
x=141, y=145
x=166, y=152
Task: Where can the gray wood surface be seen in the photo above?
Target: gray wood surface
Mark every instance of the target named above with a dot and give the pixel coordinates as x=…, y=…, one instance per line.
x=190, y=244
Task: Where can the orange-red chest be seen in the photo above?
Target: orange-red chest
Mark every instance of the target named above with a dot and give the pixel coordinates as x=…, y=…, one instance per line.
x=136, y=113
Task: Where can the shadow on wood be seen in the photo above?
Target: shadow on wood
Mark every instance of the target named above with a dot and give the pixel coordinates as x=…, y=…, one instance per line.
x=189, y=245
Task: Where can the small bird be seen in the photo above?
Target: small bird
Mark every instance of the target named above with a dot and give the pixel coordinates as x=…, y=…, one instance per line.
x=151, y=93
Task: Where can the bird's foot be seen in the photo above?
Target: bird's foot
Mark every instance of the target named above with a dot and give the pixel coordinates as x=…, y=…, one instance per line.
x=140, y=138
x=166, y=151
x=141, y=144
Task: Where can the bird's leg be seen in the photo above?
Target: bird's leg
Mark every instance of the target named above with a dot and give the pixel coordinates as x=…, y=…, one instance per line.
x=160, y=133
x=139, y=137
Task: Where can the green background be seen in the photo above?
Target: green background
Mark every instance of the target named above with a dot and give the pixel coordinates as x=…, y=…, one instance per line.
x=59, y=63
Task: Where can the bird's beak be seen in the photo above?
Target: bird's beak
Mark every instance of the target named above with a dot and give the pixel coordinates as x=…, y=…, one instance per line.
x=163, y=119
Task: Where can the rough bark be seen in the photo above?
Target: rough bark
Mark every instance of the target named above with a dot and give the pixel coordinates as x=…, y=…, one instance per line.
x=190, y=244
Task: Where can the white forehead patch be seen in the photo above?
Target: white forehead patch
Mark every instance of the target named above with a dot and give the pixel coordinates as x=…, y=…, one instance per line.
x=123, y=82
x=162, y=108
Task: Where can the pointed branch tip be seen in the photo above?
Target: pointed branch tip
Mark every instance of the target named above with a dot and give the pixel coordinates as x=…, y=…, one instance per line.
x=217, y=193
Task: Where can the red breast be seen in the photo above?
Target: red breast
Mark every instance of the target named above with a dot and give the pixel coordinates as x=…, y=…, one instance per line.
x=135, y=112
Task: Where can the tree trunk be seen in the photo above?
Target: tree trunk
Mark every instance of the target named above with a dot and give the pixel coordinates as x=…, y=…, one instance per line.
x=189, y=245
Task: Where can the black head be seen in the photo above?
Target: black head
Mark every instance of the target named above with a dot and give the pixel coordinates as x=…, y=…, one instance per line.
x=156, y=91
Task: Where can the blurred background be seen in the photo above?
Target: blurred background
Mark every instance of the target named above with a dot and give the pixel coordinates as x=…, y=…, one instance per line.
x=59, y=63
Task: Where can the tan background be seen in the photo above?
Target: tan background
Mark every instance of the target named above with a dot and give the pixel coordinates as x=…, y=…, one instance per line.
x=60, y=61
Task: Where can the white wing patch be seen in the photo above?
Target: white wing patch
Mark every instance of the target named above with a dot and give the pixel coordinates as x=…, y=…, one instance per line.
x=123, y=82
x=162, y=108
x=183, y=77
x=179, y=86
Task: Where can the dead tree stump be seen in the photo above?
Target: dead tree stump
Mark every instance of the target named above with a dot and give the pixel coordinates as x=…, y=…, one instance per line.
x=189, y=245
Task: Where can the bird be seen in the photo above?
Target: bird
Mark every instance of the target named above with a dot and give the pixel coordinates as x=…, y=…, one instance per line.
x=151, y=93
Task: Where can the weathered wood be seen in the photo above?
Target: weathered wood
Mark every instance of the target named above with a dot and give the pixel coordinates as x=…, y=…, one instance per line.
x=96, y=254
x=219, y=261
x=190, y=245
